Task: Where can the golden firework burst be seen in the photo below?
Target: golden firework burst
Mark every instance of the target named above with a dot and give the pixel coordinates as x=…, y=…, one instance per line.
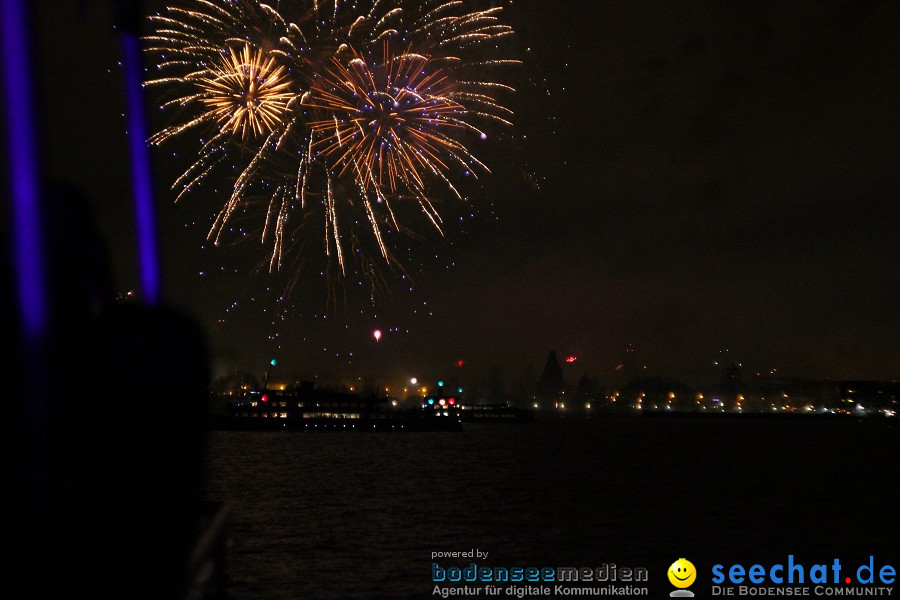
x=246, y=93
x=356, y=114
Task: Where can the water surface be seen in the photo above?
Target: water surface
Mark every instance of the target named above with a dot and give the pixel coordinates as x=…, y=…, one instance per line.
x=357, y=515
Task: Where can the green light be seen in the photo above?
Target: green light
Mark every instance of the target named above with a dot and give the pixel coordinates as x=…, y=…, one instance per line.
x=274, y=362
x=459, y=390
x=440, y=384
x=431, y=401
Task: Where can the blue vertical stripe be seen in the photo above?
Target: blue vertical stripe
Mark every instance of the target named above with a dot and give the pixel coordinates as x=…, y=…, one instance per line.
x=145, y=217
x=24, y=177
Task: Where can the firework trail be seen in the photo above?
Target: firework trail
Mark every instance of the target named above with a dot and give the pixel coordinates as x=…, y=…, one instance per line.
x=331, y=117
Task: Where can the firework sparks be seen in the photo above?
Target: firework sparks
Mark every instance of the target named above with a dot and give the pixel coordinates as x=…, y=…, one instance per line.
x=316, y=112
x=389, y=124
x=247, y=94
x=244, y=94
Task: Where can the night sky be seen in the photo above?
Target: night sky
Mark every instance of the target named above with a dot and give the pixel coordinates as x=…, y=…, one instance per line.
x=706, y=181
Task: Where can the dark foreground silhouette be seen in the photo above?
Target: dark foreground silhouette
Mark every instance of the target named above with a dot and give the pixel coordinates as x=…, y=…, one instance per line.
x=105, y=429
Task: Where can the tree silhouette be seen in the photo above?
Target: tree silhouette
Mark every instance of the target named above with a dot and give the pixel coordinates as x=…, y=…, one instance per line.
x=588, y=388
x=550, y=385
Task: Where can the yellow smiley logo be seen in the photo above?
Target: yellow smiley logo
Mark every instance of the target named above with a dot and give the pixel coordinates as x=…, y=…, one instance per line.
x=682, y=573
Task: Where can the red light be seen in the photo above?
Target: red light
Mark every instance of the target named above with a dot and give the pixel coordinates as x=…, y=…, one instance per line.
x=265, y=398
x=460, y=363
x=452, y=401
x=571, y=359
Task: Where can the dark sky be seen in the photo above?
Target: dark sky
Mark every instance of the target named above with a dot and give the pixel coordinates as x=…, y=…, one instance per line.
x=691, y=178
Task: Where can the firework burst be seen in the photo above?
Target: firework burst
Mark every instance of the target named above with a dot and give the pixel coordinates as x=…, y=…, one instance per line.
x=331, y=116
x=243, y=93
x=390, y=121
x=247, y=93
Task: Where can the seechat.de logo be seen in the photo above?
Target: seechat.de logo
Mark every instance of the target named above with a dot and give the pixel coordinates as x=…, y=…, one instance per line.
x=682, y=574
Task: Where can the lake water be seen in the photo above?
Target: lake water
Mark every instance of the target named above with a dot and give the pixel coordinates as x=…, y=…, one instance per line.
x=358, y=515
